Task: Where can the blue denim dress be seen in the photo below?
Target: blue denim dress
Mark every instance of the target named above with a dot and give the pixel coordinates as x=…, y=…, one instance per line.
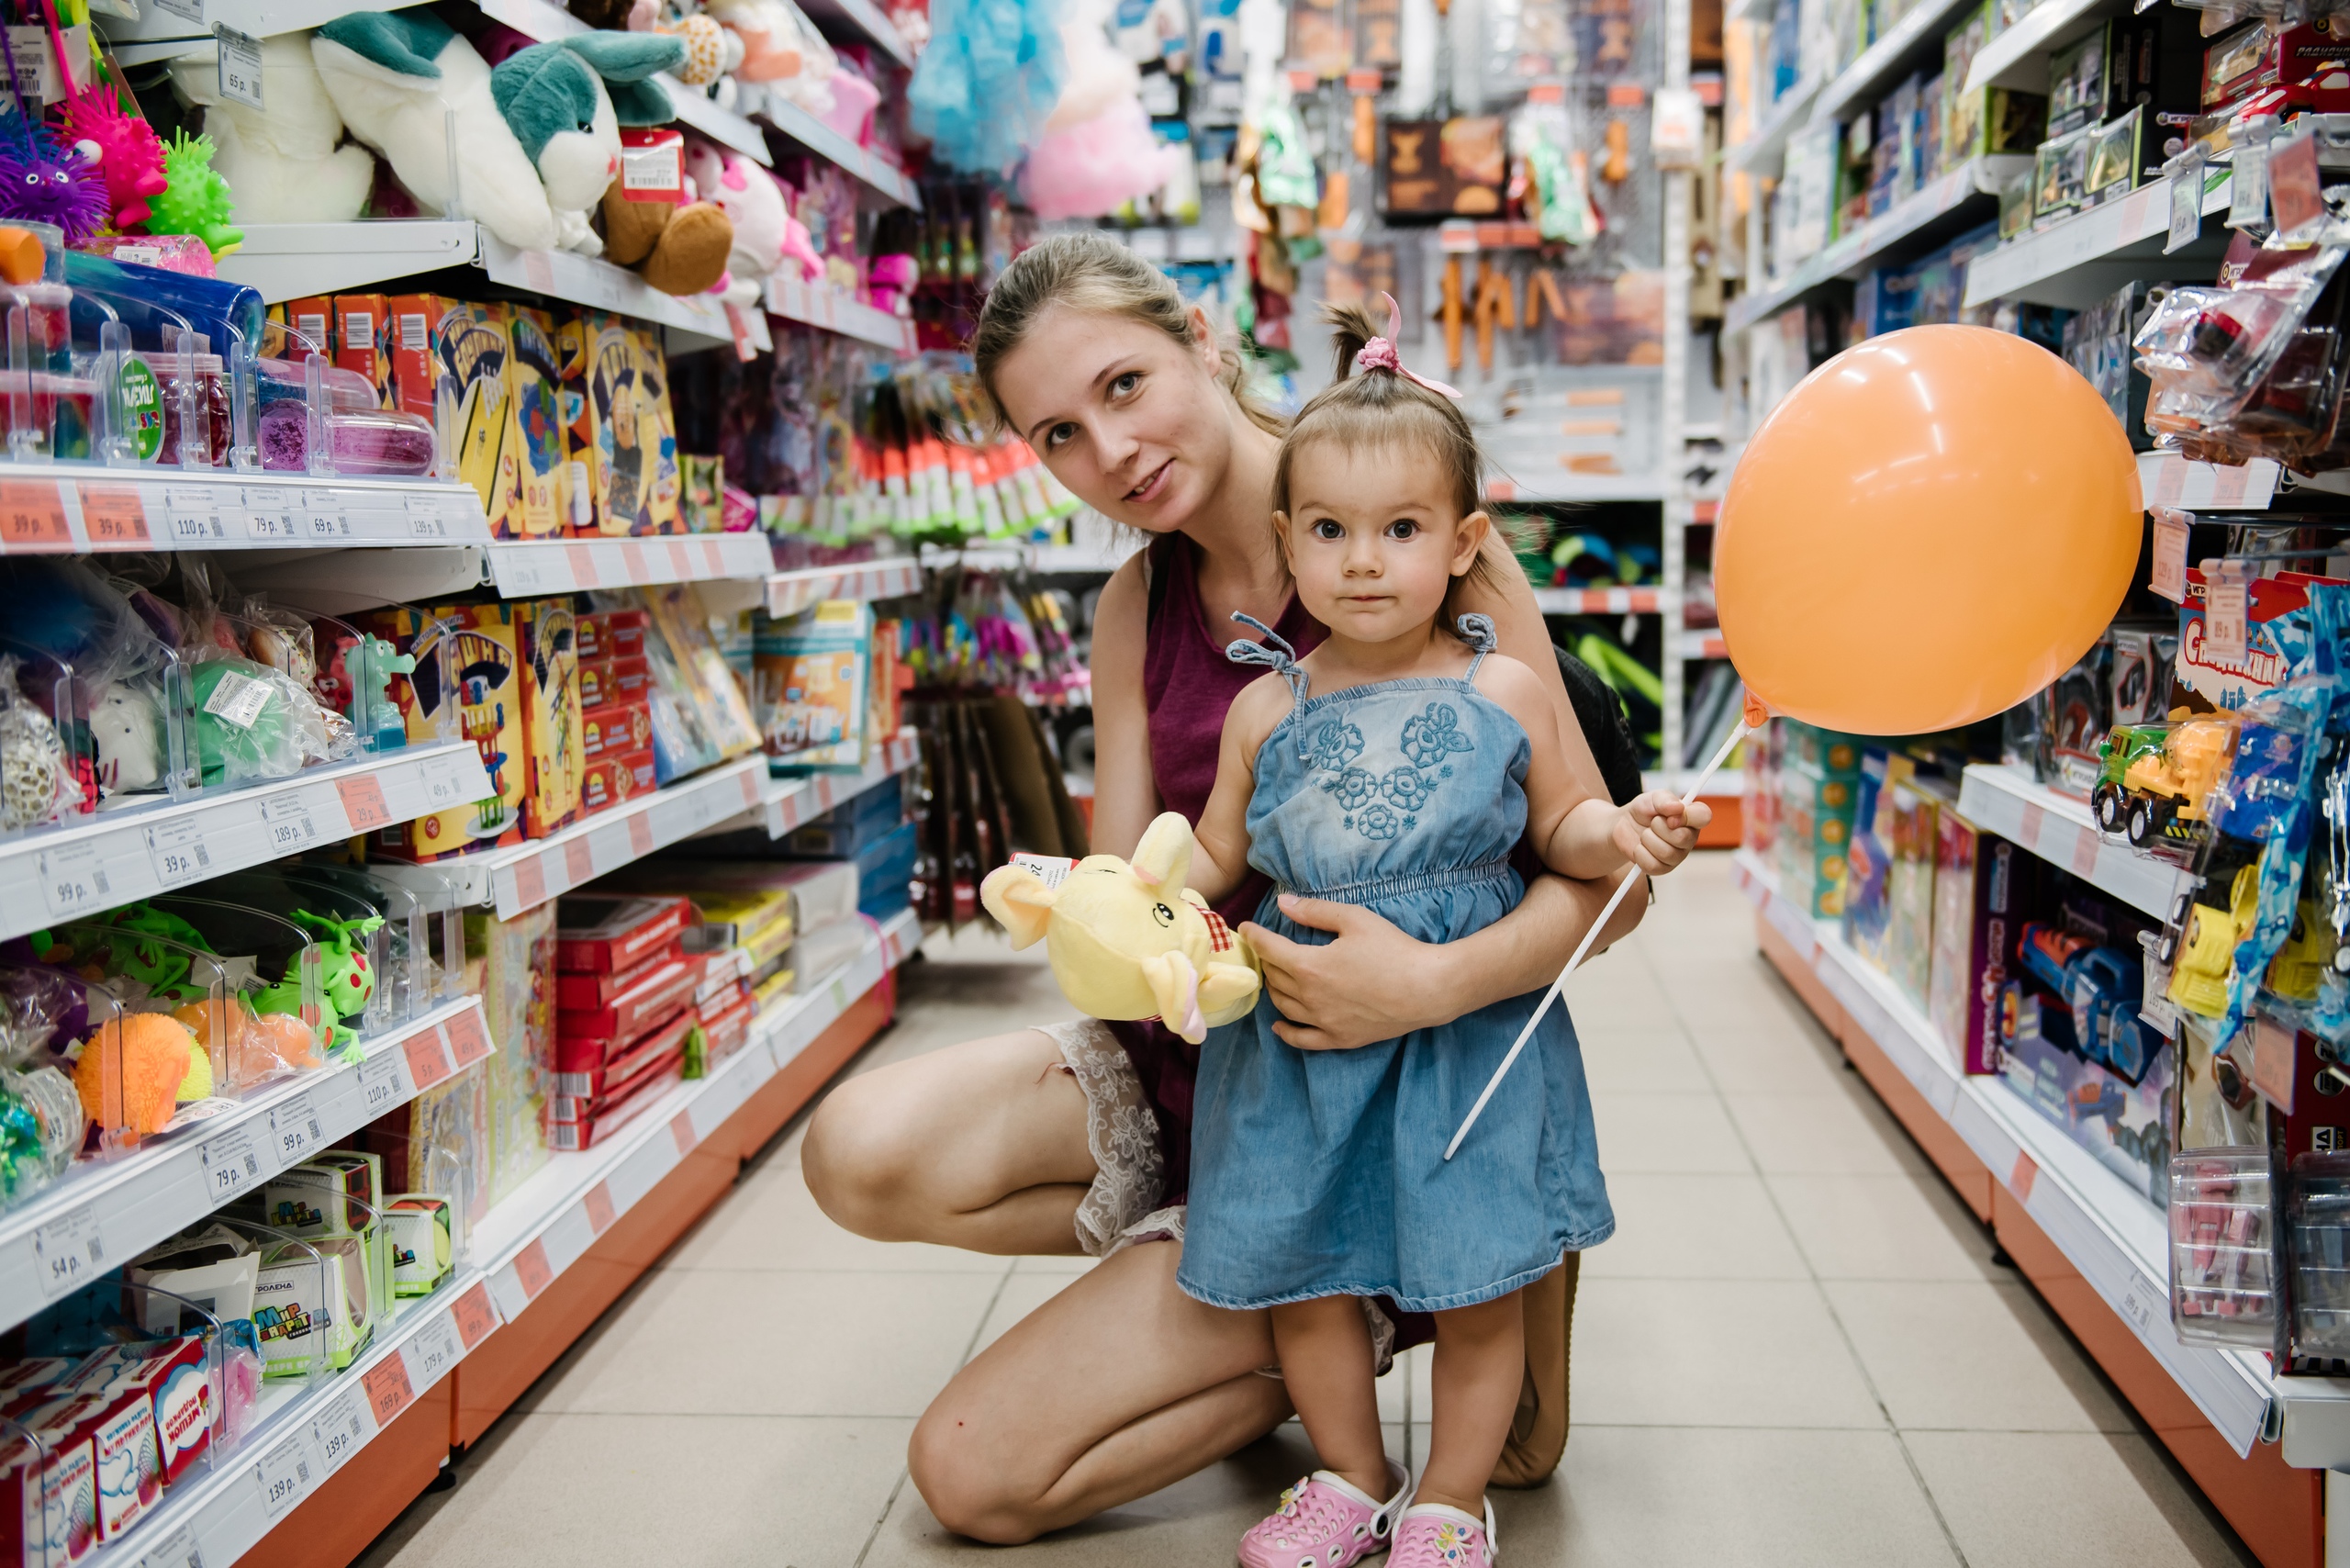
x=1320, y=1174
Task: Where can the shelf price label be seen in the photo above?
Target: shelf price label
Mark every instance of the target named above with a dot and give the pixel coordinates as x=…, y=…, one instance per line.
x=427, y=1060
x=2144, y=1303
x=113, y=517
x=177, y=1550
x=380, y=1085
x=294, y=1130
x=388, y=1392
x=475, y=1316
x=286, y=1472
x=72, y=881
x=230, y=1162
x=32, y=517
x=325, y=512
x=427, y=517
x=2223, y=620
x=599, y=1205
x=580, y=861
x=195, y=513
x=270, y=514
x=429, y=1354
x=338, y=1432
x=240, y=65
x=177, y=851
x=2168, y=578
x=443, y=782
x=362, y=802
x=2186, y=207
x=289, y=821
x=468, y=1039
x=69, y=1251
x=532, y=1268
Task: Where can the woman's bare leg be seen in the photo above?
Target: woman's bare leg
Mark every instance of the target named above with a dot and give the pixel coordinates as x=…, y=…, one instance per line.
x=1119, y=1385
x=979, y=1146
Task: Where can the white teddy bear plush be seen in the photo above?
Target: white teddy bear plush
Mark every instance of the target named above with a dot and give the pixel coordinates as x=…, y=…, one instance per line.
x=282, y=165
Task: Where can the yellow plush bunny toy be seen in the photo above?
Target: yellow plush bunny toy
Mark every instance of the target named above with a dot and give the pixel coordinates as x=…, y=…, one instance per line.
x=1129, y=940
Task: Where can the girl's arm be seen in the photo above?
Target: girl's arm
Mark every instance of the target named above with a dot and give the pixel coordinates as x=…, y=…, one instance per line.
x=1125, y=797
x=1576, y=833
x=1220, y=856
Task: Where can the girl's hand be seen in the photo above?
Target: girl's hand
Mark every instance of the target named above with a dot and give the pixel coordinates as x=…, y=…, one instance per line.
x=1657, y=830
x=1372, y=982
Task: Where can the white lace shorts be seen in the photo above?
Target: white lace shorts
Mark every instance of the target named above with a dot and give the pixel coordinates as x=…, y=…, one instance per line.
x=1122, y=1206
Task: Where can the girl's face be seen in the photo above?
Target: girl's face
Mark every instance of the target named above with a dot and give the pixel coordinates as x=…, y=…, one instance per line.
x=1374, y=538
x=1131, y=421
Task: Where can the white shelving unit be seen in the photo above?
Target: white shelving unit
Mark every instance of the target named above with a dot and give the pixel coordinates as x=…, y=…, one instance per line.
x=2059, y=830
x=304, y=1433
x=65, y=509
x=2079, y=260
x=864, y=18
x=814, y=305
x=1759, y=153
x=2113, y=1234
x=2018, y=57
x=1915, y=40
x=119, y=857
x=788, y=593
x=522, y=567
x=116, y=1208
x=597, y=284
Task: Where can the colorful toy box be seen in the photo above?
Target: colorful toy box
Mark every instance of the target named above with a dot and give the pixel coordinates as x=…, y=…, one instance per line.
x=1978, y=881
x=809, y=685
x=1818, y=791
x=1917, y=803
x=489, y=700
x=554, y=746
x=534, y=409
x=472, y=408
x=359, y=341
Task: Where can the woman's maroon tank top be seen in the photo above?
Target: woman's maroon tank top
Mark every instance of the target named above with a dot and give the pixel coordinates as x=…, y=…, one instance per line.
x=1189, y=685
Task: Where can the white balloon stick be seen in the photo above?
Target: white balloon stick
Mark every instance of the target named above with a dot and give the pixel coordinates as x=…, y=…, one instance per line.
x=1631, y=875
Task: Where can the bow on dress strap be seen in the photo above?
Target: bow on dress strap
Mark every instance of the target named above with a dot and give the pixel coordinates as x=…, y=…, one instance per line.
x=1279, y=658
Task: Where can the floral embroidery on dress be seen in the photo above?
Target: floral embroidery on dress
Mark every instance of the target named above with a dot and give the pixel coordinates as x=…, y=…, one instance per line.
x=1335, y=744
x=1354, y=788
x=1375, y=821
x=1434, y=733
x=1406, y=788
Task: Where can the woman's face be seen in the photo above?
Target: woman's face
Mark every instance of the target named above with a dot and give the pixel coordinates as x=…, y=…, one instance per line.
x=1131, y=421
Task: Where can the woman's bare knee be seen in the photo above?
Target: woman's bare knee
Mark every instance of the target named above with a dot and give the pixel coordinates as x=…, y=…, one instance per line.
x=968, y=1485
x=858, y=1161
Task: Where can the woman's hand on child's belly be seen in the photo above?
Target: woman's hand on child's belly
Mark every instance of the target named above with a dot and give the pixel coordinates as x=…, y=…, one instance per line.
x=1369, y=982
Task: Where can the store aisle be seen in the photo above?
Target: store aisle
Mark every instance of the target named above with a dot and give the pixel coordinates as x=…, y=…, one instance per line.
x=1797, y=1350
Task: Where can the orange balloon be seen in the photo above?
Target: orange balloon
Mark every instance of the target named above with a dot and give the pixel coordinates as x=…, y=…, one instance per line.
x=1932, y=526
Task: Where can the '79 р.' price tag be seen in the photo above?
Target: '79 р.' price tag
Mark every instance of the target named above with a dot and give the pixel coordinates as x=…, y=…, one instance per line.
x=230, y=1164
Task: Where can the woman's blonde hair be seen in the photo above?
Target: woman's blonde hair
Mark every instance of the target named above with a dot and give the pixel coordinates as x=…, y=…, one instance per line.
x=1089, y=271
x=1379, y=408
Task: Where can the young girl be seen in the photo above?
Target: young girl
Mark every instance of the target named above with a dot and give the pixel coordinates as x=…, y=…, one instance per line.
x=1397, y=766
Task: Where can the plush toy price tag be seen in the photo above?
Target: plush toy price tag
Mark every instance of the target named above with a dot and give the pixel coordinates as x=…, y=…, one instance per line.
x=72, y=881
x=1051, y=870
x=240, y=65
x=653, y=165
x=2293, y=190
x=176, y=850
x=36, y=75
x=2168, y=578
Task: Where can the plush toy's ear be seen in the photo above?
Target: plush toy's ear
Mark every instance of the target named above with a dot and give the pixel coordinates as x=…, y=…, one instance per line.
x=1019, y=898
x=1175, y=985
x=542, y=91
x=400, y=43
x=1163, y=858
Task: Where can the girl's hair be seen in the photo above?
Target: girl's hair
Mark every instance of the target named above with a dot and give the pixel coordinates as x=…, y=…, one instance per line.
x=1089, y=271
x=1378, y=407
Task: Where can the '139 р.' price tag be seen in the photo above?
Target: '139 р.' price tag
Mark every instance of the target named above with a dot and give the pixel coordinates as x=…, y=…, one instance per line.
x=286, y=1472
x=340, y=1430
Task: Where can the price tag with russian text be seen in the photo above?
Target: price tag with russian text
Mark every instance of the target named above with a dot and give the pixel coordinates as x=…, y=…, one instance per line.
x=2294, y=193
x=388, y=1391
x=432, y=1351
x=475, y=1316
x=177, y=1550
x=177, y=851
x=381, y=1085
x=289, y=821
x=240, y=65
x=2169, y=575
x=2186, y=207
x=286, y=1473
x=294, y=1130
x=339, y=1432
x=2223, y=620
x=72, y=881
x=231, y=1163
x=113, y=517
x=362, y=802
x=69, y=1251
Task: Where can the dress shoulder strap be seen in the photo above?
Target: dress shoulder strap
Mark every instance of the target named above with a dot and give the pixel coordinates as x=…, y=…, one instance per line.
x=1276, y=655
x=1477, y=631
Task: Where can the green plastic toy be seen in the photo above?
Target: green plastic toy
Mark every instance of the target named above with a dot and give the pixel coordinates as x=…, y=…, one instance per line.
x=197, y=201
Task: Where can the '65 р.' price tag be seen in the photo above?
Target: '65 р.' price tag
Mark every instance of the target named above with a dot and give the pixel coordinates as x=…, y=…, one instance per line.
x=69, y=1251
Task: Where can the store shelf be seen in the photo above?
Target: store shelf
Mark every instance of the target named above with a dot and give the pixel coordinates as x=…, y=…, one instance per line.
x=526, y=875
x=586, y=280
x=880, y=177
x=1916, y=39
x=2059, y=830
x=1759, y=152
x=2080, y=260
x=305, y=1433
x=521, y=568
x=192, y=19
x=1946, y=206
x=1597, y=601
x=545, y=1227
x=544, y=22
x=1725, y=784
x=59, y=509
x=2018, y=57
x=785, y=803
x=2108, y=1232
x=291, y=260
x=788, y=593
x=117, y=1208
x=1703, y=644
x=141, y=851
x=815, y=306
x=865, y=19
x=2166, y=479
x=1570, y=488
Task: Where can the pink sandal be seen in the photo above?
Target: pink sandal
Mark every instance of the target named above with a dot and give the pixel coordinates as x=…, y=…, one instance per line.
x=1431, y=1535
x=1323, y=1522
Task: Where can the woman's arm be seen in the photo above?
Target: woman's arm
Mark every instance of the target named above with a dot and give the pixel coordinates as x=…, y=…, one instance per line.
x=1125, y=799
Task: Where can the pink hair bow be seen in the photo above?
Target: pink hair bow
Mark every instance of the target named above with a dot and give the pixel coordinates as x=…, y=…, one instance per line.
x=1380, y=354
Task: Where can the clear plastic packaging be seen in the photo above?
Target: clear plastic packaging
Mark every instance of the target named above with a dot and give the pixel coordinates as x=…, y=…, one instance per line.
x=2218, y=344
x=317, y=418
x=2320, y=1234
x=2223, y=1277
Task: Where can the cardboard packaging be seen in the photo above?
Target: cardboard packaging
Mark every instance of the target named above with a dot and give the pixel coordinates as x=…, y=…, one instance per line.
x=490, y=700
x=48, y=1506
x=808, y=678
x=575, y=340
x=312, y=318
x=334, y=1193
x=600, y=933
x=628, y=1013
x=414, y=322
x=554, y=745
x=586, y=991
x=1976, y=900
x=288, y=1302
x=608, y=781
x=359, y=341
x=471, y=409
x=615, y=729
x=534, y=404
x=614, y=681
x=422, y=1252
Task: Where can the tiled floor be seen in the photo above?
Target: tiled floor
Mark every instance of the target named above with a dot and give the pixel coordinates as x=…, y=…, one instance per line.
x=1797, y=1350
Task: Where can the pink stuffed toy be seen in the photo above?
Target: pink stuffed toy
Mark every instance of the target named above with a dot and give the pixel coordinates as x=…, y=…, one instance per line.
x=128, y=153
x=891, y=280
x=754, y=202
